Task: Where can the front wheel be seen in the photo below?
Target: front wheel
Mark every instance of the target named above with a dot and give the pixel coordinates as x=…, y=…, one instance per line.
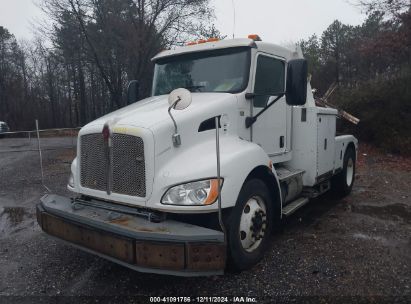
x=343, y=182
x=250, y=225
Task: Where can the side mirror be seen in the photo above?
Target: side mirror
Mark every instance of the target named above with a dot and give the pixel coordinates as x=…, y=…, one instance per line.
x=133, y=92
x=179, y=99
x=297, y=73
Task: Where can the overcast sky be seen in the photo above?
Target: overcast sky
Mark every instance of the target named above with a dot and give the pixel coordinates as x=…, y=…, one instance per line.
x=282, y=21
x=274, y=20
x=17, y=16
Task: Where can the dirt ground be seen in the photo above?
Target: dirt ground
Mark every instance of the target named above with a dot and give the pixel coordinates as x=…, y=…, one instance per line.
x=353, y=250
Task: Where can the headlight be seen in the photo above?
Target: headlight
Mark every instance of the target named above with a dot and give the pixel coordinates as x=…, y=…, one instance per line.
x=71, y=180
x=198, y=193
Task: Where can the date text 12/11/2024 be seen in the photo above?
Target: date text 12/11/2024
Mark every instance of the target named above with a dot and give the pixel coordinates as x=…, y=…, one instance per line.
x=203, y=300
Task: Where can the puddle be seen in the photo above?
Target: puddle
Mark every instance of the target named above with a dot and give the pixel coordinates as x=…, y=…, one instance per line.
x=387, y=212
x=394, y=245
x=360, y=189
x=11, y=217
x=363, y=236
x=15, y=215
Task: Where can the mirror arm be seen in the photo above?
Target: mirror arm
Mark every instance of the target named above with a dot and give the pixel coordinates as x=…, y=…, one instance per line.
x=249, y=121
x=173, y=106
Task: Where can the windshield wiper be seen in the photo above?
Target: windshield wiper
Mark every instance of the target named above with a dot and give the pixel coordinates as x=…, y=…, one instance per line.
x=191, y=88
x=194, y=87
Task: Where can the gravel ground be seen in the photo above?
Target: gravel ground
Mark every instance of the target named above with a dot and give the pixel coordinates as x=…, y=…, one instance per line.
x=353, y=250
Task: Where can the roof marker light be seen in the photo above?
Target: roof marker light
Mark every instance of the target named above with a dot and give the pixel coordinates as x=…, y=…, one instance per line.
x=255, y=37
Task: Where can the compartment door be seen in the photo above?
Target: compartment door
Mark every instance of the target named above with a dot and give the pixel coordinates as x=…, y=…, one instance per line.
x=325, y=144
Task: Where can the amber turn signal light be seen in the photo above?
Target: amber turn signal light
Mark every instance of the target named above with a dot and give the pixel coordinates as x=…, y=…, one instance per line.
x=255, y=37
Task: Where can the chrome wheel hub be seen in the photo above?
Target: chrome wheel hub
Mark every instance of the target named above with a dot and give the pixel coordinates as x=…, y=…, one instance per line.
x=253, y=223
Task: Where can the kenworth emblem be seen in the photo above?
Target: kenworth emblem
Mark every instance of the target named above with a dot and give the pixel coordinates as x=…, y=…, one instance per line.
x=106, y=132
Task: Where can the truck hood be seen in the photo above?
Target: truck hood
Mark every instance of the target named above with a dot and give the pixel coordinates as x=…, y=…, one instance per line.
x=153, y=111
x=149, y=120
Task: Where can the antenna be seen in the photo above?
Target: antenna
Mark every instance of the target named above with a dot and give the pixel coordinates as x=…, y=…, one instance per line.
x=233, y=17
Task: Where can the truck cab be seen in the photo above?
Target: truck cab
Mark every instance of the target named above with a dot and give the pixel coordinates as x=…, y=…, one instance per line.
x=195, y=178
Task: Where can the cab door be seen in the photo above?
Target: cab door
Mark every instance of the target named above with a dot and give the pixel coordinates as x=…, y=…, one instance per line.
x=270, y=129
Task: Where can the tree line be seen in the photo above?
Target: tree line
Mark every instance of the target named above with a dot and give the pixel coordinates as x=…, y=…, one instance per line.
x=78, y=67
x=372, y=65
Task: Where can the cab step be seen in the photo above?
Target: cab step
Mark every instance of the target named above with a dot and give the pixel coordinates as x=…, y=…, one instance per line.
x=285, y=174
x=294, y=206
x=313, y=192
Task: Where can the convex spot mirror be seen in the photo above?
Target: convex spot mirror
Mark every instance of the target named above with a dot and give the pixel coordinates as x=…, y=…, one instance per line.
x=179, y=99
x=296, y=91
x=133, y=92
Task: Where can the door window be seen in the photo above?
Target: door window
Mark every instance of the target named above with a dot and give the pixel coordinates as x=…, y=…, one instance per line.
x=269, y=79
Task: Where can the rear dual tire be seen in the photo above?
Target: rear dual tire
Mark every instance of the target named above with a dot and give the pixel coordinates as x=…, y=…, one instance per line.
x=343, y=182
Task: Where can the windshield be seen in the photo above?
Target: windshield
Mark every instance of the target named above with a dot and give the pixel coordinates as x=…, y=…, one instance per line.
x=213, y=71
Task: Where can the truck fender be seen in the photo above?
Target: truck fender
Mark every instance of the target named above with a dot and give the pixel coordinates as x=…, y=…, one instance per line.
x=255, y=163
x=239, y=160
x=269, y=177
x=342, y=143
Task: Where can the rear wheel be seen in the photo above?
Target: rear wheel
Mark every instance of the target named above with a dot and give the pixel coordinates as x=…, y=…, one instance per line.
x=343, y=182
x=250, y=225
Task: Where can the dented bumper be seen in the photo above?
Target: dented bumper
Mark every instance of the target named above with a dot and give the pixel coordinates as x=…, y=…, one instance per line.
x=168, y=247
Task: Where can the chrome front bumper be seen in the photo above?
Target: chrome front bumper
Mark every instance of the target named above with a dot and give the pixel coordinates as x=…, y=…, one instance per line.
x=168, y=247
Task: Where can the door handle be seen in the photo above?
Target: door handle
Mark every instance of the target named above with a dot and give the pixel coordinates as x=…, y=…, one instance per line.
x=281, y=141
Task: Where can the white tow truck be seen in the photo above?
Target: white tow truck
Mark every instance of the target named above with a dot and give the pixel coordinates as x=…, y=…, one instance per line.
x=158, y=188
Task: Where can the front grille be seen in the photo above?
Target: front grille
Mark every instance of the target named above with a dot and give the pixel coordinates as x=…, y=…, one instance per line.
x=127, y=164
x=129, y=173
x=93, y=162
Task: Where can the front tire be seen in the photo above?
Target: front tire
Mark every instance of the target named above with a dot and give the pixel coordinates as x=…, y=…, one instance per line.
x=250, y=225
x=343, y=182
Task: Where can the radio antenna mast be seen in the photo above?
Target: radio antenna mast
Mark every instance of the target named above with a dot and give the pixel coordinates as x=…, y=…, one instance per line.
x=233, y=17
